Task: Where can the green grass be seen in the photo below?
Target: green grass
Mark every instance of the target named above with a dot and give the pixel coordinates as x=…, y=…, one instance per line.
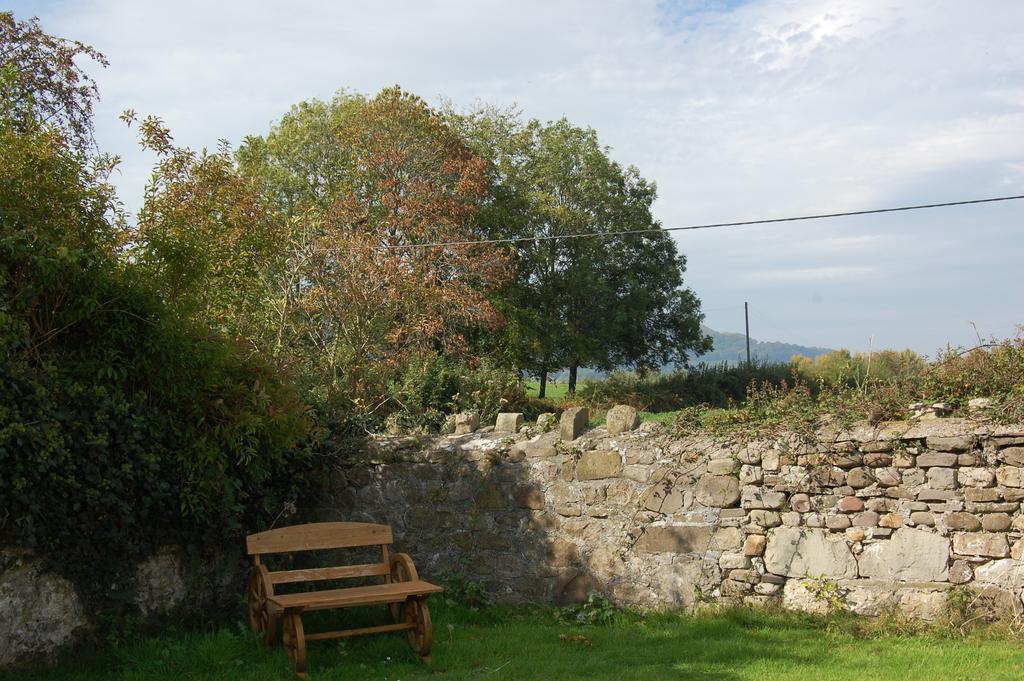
x=659, y=417
x=555, y=393
x=498, y=644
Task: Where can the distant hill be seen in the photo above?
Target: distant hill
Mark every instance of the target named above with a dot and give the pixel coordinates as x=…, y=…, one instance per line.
x=731, y=347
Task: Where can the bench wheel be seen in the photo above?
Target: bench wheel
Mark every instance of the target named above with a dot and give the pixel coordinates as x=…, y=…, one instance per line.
x=256, y=597
x=402, y=570
x=421, y=633
x=294, y=639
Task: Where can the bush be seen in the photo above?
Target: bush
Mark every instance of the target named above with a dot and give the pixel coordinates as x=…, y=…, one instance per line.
x=718, y=385
x=122, y=427
x=436, y=387
x=994, y=370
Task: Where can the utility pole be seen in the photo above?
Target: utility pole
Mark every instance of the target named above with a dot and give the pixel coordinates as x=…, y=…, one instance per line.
x=746, y=320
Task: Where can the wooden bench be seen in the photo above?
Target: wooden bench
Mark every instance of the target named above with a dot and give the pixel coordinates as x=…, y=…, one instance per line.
x=401, y=589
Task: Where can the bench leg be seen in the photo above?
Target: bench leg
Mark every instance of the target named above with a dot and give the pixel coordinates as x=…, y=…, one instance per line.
x=294, y=639
x=270, y=633
x=421, y=635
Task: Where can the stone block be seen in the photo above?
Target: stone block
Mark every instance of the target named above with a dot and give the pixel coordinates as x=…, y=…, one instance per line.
x=754, y=544
x=750, y=475
x=466, y=422
x=1012, y=456
x=981, y=544
x=722, y=466
x=731, y=587
x=976, y=477
x=859, y=478
x=727, y=539
x=621, y=419
x=573, y=423
x=891, y=520
x=734, y=561
x=764, y=519
x=855, y=534
x=922, y=518
x=942, y=478
x=866, y=519
x=960, y=572
x=995, y=522
x=1011, y=476
x=951, y=444
x=718, y=491
x=930, y=459
x=540, y=450
x=508, y=423
x=1007, y=574
x=675, y=539
x=666, y=498
x=576, y=588
x=754, y=497
x=806, y=552
x=909, y=555
x=529, y=496
x=846, y=459
x=992, y=507
x=962, y=521
x=563, y=553
x=837, y=522
x=801, y=503
x=888, y=477
x=877, y=459
x=491, y=497
x=598, y=464
x=851, y=505
x=546, y=422
x=903, y=459
x=931, y=495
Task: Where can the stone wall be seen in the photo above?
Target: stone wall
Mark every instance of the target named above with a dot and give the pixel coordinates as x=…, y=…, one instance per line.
x=869, y=518
x=42, y=614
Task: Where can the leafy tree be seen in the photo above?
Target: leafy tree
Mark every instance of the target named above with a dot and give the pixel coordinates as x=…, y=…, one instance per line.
x=41, y=81
x=601, y=302
x=366, y=182
x=208, y=239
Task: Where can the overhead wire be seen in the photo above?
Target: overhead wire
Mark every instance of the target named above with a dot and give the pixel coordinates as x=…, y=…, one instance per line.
x=712, y=225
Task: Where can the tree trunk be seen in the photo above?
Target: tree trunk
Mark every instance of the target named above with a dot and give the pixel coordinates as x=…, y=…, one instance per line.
x=572, y=376
x=543, y=383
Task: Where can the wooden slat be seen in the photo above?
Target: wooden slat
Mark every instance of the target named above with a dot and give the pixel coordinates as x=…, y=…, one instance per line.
x=345, y=633
x=314, y=536
x=396, y=592
x=316, y=574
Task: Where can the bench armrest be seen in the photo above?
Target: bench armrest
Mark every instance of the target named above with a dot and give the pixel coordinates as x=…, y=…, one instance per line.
x=402, y=569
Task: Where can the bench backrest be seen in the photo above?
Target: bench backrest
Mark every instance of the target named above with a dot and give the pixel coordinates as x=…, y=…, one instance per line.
x=313, y=536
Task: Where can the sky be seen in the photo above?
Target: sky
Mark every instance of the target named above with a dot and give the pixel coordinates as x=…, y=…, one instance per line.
x=737, y=110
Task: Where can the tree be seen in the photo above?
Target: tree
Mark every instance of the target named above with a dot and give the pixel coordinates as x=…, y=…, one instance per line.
x=605, y=301
x=367, y=182
x=208, y=239
x=40, y=80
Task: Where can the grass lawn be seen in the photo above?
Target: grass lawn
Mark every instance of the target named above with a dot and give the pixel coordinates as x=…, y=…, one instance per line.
x=503, y=644
x=555, y=393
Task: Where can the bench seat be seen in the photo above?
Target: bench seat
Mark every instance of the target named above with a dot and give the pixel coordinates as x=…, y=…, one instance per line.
x=396, y=592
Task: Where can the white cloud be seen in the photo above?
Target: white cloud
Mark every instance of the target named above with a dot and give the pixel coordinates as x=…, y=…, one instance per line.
x=770, y=108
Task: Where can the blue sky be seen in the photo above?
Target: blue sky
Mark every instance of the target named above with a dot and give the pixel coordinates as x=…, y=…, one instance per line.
x=739, y=110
